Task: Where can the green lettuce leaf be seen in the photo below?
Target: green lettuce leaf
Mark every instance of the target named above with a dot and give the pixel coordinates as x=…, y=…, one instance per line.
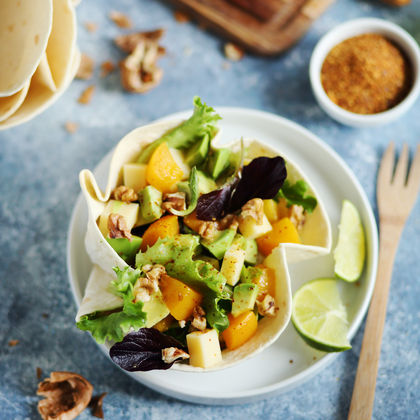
x=176, y=254
x=192, y=196
x=216, y=311
x=115, y=325
x=201, y=123
x=296, y=194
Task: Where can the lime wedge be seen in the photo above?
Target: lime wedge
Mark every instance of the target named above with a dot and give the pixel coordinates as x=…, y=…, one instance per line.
x=320, y=317
x=349, y=255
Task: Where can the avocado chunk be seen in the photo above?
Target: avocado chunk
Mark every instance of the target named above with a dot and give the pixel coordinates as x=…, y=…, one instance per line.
x=150, y=203
x=244, y=297
x=250, y=274
x=125, y=248
x=198, y=153
x=251, y=251
x=219, y=246
x=155, y=309
x=218, y=162
x=205, y=184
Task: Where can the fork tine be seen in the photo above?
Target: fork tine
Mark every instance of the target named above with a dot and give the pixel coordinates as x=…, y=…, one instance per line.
x=401, y=170
x=387, y=165
x=414, y=175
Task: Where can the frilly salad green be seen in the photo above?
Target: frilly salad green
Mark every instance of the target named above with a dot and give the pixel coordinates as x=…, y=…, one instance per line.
x=198, y=238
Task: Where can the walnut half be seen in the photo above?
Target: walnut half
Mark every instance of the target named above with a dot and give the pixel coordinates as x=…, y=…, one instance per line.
x=170, y=354
x=139, y=72
x=118, y=227
x=66, y=394
x=253, y=208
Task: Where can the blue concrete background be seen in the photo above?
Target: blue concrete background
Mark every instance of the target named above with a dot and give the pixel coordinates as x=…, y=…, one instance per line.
x=39, y=166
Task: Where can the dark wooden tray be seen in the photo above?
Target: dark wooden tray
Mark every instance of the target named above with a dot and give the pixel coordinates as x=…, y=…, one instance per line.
x=265, y=27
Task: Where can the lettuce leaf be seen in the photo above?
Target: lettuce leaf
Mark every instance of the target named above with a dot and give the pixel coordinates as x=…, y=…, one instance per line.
x=115, y=325
x=201, y=123
x=176, y=254
x=216, y=314
x=192, y=196
x=296, y=194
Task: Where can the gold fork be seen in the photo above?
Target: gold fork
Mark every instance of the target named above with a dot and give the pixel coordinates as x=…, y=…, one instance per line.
x=396, y=195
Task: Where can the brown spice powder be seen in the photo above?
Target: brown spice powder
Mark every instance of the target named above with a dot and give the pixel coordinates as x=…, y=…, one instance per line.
x=366, y=74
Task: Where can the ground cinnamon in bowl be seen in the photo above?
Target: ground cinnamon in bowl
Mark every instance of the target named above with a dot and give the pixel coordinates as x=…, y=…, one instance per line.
x=366, y=74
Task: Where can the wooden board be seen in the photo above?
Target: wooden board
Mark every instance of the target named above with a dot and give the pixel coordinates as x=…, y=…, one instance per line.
x=265, y=27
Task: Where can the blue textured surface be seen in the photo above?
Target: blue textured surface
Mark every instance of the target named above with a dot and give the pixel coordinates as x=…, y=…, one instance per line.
x=39, y=166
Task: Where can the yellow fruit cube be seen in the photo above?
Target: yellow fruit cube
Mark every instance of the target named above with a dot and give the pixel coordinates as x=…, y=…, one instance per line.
x=134, y=175
x=204, y=348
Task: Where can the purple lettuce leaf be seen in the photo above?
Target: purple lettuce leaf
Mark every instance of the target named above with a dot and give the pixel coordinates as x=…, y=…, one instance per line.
x=142, y=350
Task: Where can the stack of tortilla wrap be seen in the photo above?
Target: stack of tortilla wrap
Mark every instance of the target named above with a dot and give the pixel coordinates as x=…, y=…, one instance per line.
x=39, y=56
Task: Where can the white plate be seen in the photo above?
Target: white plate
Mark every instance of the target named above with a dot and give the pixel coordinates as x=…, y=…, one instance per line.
x=289, y=361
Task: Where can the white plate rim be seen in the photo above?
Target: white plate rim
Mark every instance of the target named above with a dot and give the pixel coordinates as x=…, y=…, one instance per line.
x=297, y=379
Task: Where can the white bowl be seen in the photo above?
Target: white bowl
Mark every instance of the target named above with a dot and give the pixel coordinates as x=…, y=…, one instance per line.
x=353, y=28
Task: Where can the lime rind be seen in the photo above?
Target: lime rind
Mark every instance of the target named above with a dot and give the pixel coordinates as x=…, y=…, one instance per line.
x=320, y=317
x=350, y=253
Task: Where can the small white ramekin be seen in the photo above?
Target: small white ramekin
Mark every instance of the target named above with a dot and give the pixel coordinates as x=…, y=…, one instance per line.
x=353, y=28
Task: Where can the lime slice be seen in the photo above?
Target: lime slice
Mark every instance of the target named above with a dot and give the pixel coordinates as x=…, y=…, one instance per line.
x=320, y=317
x=349, y=255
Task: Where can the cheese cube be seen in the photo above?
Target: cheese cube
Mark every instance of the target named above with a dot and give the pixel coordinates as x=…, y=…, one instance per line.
x=134, y=175
x=204, y=348
x=250, y=229
x=233, y=262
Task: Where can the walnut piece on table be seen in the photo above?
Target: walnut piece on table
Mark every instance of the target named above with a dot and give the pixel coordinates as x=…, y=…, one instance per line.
x=66, y=394
x=85, y=70
x=139, y=72
x=91, y=27
x=86, y=95
x=71, y=127
x=233, y=52
x=120, y=19
x=107, y=67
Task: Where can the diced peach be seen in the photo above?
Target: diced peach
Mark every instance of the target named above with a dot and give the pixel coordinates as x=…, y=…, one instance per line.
x=192, y=222
x=179, y=298
x=240, y=329
x=162, y=170
x=266, y=282
x=163, y=227
x=284, y=231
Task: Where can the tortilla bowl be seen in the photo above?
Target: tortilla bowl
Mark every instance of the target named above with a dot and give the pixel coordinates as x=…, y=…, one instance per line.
x=315, y=234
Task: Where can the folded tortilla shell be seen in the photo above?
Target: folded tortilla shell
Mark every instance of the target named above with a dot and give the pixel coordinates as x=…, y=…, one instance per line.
x=10, y=104
x=316, y=235
x=24, y=32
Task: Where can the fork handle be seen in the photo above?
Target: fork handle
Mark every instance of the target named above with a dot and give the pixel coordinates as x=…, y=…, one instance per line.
x=362, y=401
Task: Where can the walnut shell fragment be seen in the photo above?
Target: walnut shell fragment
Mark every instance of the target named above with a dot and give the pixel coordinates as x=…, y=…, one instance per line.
x=139, y=72
x=66, y=394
